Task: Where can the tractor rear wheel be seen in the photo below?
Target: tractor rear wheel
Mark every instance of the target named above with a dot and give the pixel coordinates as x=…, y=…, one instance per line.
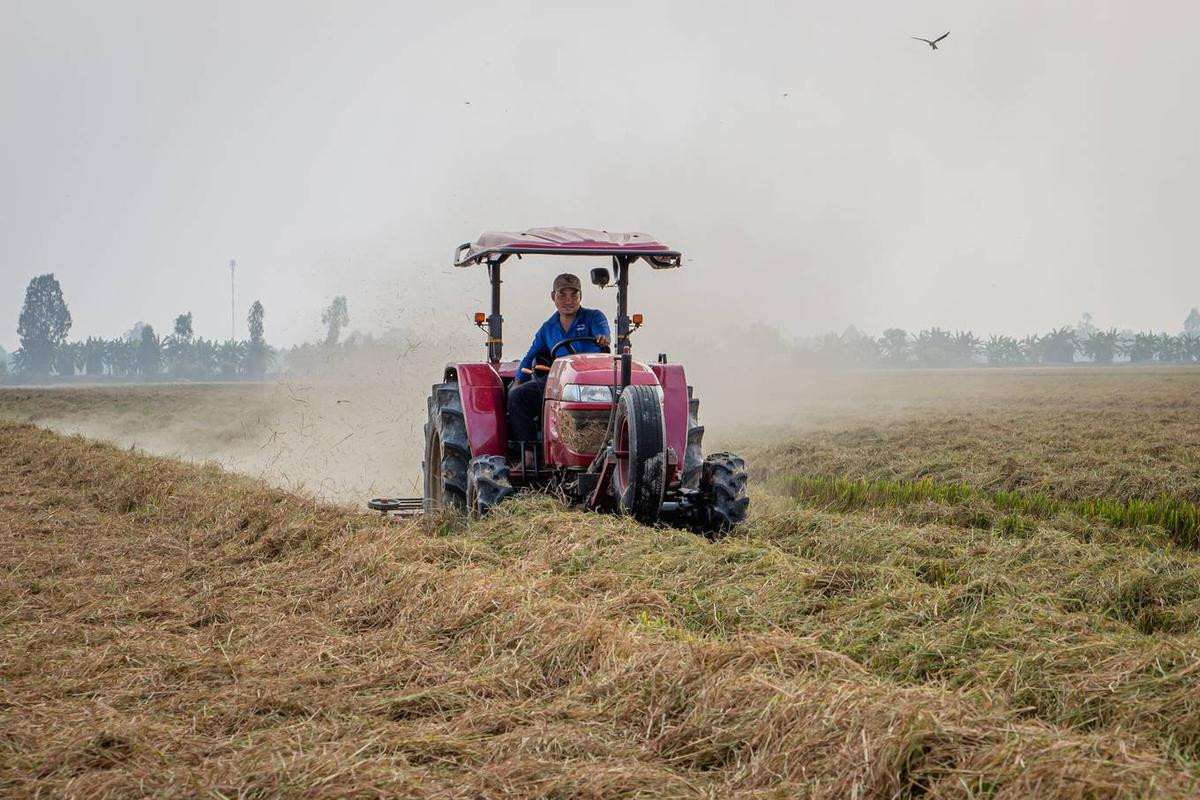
x=487, y=484
x=447, y=451
x=639, y=479
x=723, y=493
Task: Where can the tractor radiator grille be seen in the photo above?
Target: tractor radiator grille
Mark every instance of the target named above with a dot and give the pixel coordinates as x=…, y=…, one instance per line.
x=582, y=430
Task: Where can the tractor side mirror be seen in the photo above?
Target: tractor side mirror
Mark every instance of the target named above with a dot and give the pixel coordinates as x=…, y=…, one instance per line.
x=600, y=277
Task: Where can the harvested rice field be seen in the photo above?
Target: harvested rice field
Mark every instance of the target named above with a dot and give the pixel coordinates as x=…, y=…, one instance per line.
x=976, y=584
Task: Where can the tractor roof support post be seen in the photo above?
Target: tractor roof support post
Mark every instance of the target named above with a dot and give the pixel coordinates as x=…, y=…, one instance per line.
x=495, y=340
x=621, y=269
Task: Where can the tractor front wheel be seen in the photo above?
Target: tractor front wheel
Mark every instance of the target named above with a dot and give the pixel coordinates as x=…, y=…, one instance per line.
x=640, y=477
x=723, y=493
x=487, y=484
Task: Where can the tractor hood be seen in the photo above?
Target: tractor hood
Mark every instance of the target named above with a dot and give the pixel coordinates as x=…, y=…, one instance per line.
x=595, y=369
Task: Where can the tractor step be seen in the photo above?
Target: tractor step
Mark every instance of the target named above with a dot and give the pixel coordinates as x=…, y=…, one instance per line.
x=397, y=506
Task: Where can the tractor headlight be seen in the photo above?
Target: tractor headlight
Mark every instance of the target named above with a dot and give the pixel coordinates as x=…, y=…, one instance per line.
x=576, y=393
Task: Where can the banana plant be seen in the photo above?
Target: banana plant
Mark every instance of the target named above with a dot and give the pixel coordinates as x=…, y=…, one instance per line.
x=1058, y=346
x=68, y=358
x=1142, y=348
x=93, y=356
x=1166, y=348
x=964, y=348
x=1002, y=351
x=934, y=347
x=1031, y=349
x=1101, y=346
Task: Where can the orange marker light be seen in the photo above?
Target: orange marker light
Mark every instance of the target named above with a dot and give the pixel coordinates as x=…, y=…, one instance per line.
x=637, y=319
x=480, y=317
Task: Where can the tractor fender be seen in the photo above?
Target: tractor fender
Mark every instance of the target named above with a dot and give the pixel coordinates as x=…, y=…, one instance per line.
x=673, y=381
x=482, y=393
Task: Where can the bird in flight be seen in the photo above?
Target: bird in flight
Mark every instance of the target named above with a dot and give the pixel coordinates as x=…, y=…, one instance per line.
x=932, y=44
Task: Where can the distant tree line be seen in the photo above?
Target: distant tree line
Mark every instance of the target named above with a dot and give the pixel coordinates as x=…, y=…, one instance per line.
x=935, y=347
x=141, y=353
x=45, y=350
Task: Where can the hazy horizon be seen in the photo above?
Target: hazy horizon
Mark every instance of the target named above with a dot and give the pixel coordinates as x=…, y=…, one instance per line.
x=817, y=166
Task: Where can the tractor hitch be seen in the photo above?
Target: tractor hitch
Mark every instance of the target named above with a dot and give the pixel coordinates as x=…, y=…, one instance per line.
x=397, y=506
x=686, y=509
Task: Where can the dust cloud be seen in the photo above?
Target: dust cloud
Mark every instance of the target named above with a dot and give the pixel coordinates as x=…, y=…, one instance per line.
x=337, y=442
x=349, y=427
x=342, y=429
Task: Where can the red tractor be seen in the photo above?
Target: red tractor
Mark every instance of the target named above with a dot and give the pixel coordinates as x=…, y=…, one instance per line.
x=616, y=434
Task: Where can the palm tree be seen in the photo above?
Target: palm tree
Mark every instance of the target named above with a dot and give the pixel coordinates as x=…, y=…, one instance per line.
x=230, y=355
x=893, y=346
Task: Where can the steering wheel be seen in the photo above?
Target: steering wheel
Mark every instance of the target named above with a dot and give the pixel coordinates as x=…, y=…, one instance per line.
x=569, y=344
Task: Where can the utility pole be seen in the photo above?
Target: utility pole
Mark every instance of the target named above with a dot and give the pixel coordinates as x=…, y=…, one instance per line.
x=232, y=303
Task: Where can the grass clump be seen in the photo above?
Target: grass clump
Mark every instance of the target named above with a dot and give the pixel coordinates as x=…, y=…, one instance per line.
x=1179, y=519
x=1038, y=623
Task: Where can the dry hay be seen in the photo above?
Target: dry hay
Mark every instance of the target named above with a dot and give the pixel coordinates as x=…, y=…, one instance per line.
x=1074, y=434
x=582, y=430
x=177, y=631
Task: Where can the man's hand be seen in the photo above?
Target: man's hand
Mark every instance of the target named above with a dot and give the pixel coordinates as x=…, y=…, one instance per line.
x=603, y=340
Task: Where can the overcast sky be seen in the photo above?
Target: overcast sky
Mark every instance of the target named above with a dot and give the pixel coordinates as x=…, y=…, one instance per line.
x=816, y=165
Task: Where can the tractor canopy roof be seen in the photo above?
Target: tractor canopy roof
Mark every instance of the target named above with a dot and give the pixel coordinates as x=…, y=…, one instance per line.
x=498, y=245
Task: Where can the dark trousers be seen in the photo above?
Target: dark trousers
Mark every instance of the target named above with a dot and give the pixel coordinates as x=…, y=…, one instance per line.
x=525, y=410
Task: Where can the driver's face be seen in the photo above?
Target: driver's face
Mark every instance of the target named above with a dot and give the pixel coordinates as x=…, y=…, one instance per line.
x=566, y=300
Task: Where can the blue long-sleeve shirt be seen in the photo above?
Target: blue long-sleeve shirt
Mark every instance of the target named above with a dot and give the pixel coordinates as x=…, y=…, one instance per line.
x=588, y=322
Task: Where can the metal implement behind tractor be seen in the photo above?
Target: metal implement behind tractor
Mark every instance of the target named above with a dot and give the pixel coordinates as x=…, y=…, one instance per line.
x=616, y=434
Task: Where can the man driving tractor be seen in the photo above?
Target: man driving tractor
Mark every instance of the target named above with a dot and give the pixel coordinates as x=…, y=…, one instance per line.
x=569, y=321
x=620, y=435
